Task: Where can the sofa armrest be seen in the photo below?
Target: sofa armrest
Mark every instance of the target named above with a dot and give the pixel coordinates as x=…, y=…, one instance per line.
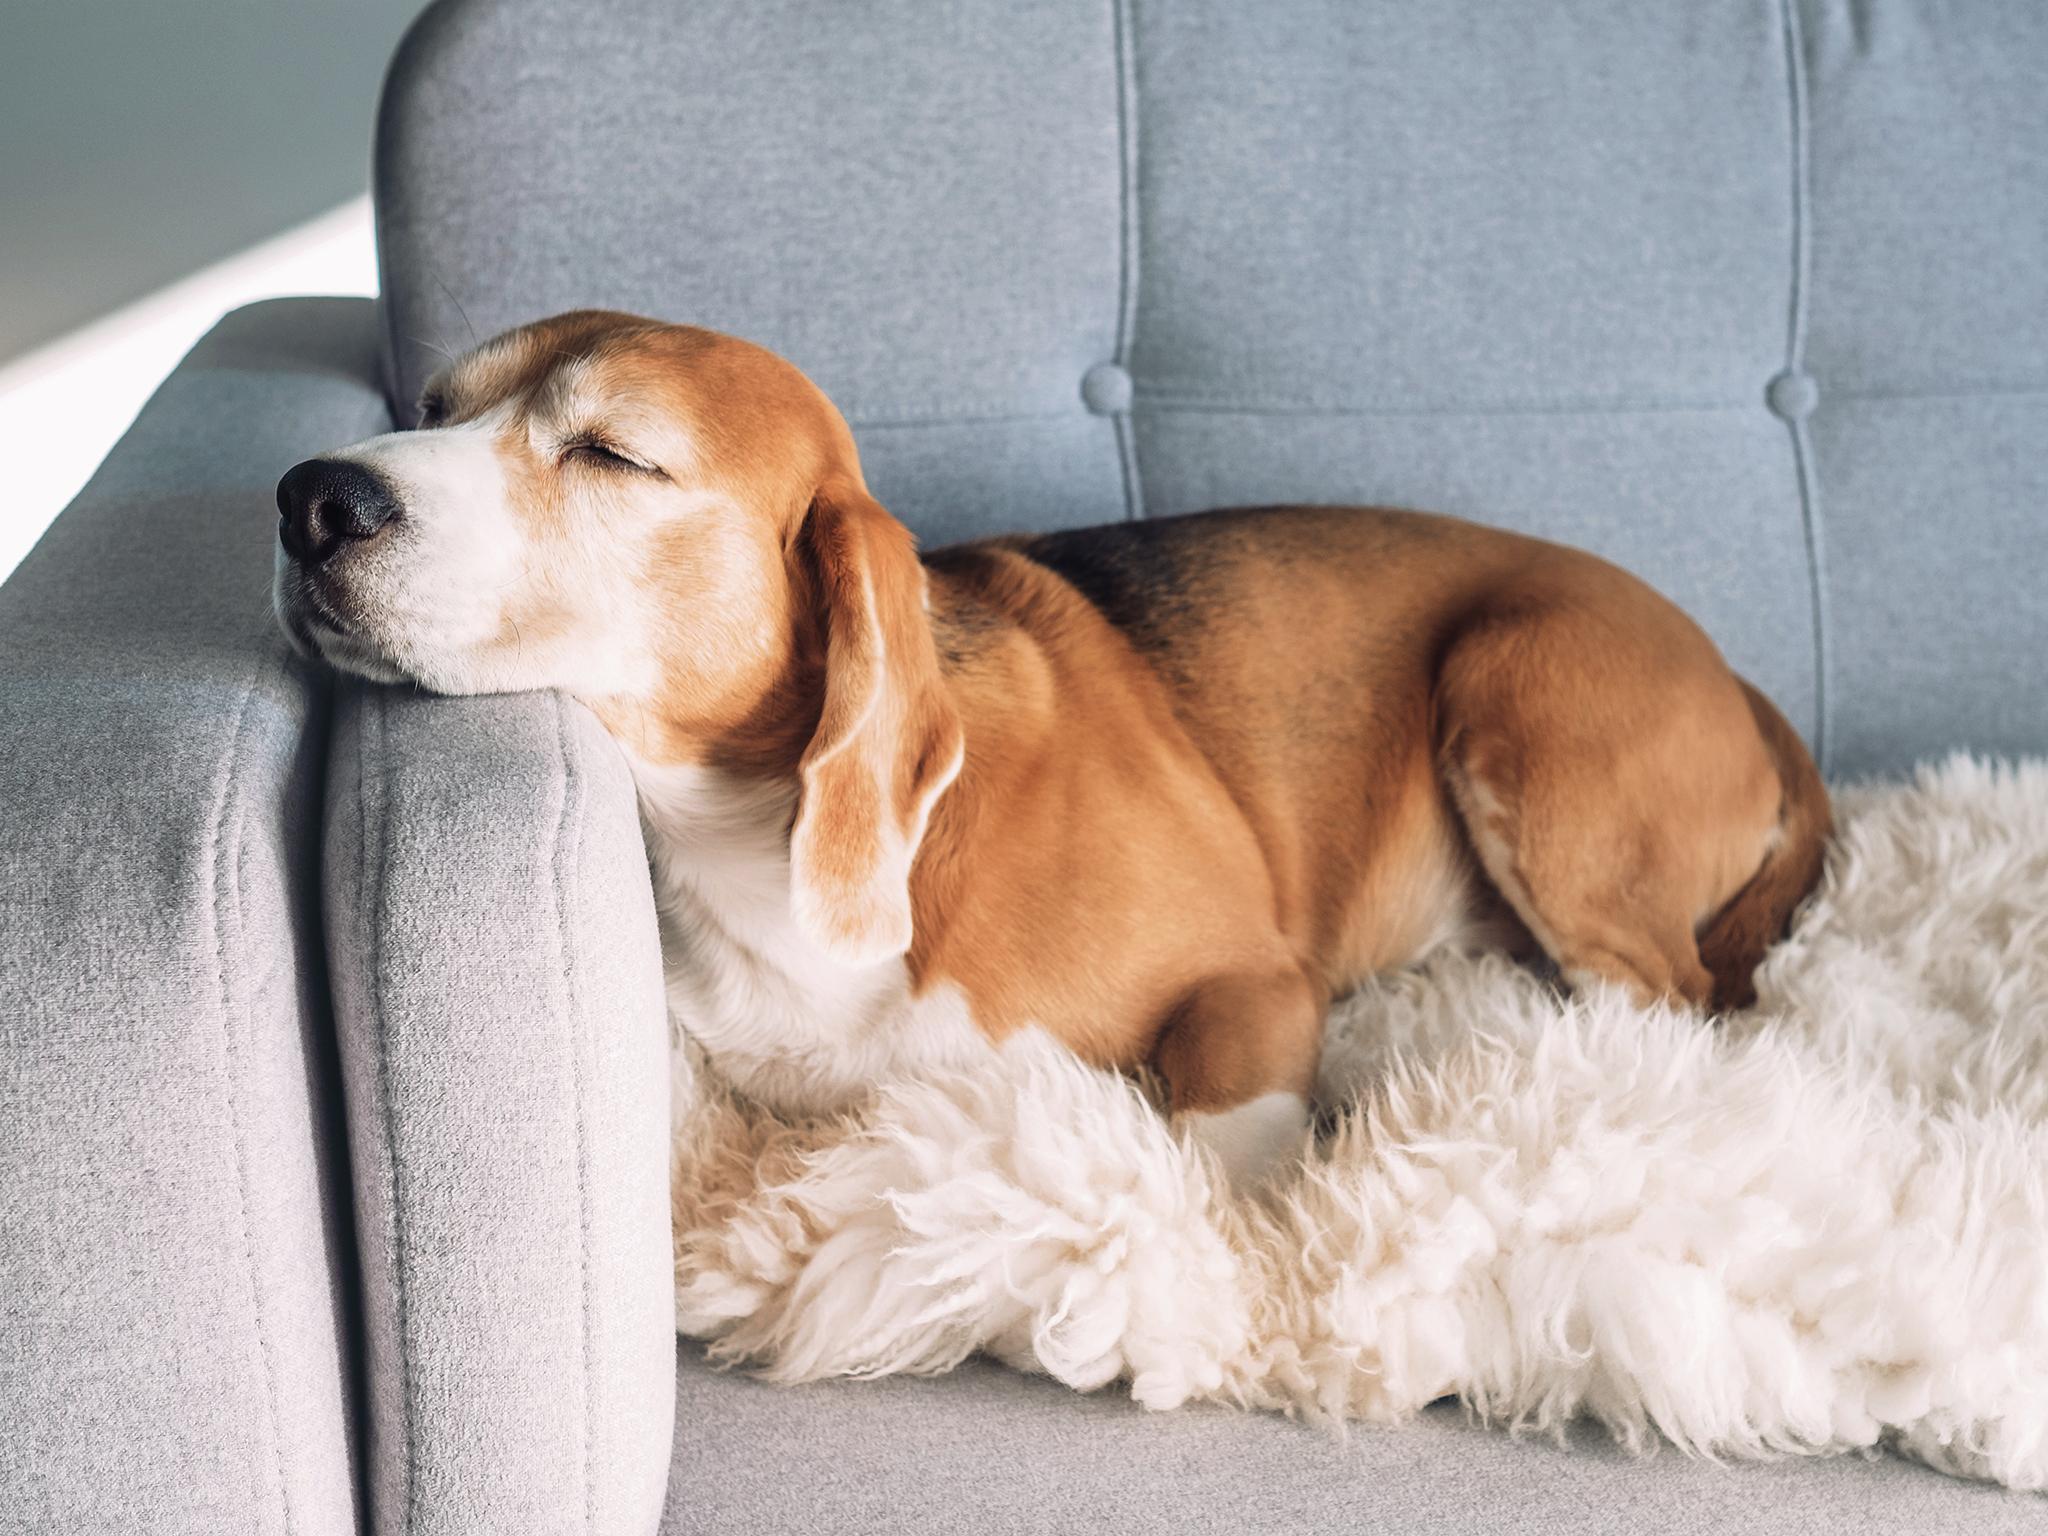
x=497, y=983
x=175, y=1254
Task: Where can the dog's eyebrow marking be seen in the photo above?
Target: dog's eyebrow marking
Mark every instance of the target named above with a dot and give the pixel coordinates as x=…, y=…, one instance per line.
x=568, y=411
x=491, y=370
x=565, y=395
x=581, y=398
x=572, y=407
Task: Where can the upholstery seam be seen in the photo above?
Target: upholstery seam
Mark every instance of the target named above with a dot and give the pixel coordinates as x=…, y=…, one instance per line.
x=969, y=418
x=1281, y=406
x=364, y=1441
x=352, y=1333
x=1124, y=422
x=1191, y=400
x=566, y=840
x=370, y=910
x=217, y=858
x=1911, y=396
x=1804, y=470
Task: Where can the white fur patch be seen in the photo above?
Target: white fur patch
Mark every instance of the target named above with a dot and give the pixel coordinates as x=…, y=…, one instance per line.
x=1818, y=1226
x=776, y=1012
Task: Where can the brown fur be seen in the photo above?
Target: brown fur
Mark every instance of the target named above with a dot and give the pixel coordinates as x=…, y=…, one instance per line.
x=1216, y=769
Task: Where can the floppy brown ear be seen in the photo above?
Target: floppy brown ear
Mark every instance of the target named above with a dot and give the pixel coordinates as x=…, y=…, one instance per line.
x=888, y=741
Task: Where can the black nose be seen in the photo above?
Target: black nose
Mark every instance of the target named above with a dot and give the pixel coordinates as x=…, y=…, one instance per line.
x=324, y=502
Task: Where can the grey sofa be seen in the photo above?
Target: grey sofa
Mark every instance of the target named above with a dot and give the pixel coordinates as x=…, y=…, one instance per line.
x=333, y=1089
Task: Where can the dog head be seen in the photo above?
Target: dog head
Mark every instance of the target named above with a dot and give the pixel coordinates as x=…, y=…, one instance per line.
x=672, y=525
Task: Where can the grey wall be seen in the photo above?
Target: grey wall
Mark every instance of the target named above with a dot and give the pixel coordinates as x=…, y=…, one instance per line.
x=142, y=139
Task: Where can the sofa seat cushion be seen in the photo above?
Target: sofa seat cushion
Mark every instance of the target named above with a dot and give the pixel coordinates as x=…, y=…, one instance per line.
x=985, y=1451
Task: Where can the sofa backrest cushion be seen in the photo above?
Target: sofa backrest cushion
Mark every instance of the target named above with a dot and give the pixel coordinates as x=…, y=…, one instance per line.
x=1747, y=296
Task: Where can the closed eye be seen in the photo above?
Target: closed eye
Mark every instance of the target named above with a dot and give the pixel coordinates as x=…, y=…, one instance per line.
x=596, y=451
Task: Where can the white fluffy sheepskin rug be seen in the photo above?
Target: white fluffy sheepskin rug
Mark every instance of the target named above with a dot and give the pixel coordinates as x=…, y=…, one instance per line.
x=1817, y=1226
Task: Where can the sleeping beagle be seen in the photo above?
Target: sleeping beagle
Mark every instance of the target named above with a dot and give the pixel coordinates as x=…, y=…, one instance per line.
x=1162, y=789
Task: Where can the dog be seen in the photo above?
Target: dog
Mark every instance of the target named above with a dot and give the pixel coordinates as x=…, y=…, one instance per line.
x=1163, y=789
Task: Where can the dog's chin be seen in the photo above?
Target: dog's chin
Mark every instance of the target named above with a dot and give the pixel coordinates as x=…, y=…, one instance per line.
x=352, y=654
x=317, y=636
x=349, y=656
x=382, y=653
x=321, y=632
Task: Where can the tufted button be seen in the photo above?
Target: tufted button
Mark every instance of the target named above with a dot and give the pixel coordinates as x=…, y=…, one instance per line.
x=1106, y=390
x=1793, y=394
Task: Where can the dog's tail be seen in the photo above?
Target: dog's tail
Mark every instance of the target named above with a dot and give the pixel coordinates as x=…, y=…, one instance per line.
x=1733, y=942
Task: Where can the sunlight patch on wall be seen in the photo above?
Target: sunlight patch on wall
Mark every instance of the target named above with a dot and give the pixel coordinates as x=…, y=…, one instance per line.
x=64, y=405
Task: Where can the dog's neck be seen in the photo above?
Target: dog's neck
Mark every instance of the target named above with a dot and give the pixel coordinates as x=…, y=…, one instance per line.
x=776, y=1014
x=718, y=846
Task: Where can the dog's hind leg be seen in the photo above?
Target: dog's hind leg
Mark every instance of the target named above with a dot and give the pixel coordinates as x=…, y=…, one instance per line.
x=1612, y=782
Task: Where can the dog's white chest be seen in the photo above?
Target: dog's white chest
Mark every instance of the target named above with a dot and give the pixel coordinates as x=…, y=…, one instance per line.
x=780, y=1019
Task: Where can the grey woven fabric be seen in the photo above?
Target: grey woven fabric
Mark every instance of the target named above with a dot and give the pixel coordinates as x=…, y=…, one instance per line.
x=175, y=1263
x=1538, y=265
x=986, y=1452
x=497, y=985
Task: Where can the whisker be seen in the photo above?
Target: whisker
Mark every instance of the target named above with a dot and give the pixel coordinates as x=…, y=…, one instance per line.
x=458, y=305
x=432, y=346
